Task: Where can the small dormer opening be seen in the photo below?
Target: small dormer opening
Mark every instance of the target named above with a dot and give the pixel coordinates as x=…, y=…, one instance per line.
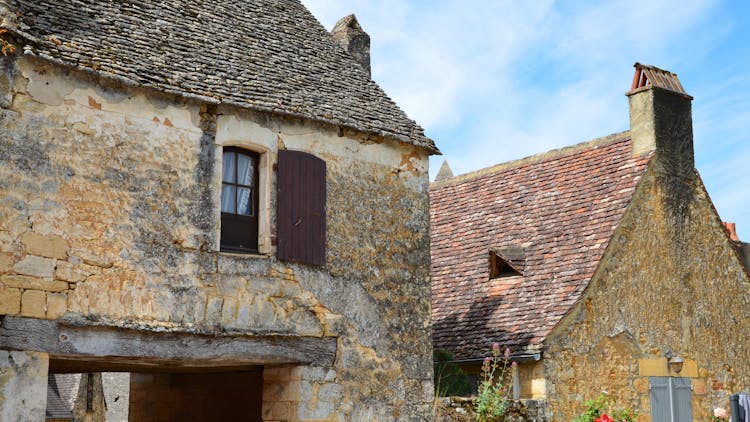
x=506, y=262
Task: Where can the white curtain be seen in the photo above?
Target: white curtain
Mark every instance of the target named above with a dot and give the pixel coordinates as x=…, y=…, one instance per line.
x=244, y=206
x=244, y=170
x=227, y=199
x=227, y=172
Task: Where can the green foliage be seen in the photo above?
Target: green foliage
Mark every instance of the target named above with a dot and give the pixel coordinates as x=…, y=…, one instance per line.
x=494, y=396
x=450, y=380
x=601, y=405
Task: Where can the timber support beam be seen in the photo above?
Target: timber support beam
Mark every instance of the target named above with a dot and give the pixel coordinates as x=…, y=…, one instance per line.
x=71, y=347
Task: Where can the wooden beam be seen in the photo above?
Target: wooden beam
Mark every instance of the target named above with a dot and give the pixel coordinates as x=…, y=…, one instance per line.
x=160, y=349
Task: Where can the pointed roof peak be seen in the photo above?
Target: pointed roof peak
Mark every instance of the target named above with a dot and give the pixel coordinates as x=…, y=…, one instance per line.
x=444, y=173
x=347, y=22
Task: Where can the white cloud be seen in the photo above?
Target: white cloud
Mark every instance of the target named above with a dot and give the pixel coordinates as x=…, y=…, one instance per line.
x=494, y=81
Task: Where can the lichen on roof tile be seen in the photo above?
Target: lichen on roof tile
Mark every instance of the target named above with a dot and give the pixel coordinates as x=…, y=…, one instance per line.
x=266, y=55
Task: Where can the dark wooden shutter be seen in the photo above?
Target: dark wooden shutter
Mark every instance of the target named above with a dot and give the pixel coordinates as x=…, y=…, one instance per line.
x=301, y=208
x=660, y=403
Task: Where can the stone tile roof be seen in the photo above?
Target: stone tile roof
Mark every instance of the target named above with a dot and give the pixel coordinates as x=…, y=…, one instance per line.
x=266, y=55
x=561, y=208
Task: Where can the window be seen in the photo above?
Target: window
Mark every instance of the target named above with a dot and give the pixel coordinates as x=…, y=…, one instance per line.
x=239, y=200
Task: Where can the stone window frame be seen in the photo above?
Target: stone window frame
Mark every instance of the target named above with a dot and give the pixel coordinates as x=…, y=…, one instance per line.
x=265, y=181
x=235, y=219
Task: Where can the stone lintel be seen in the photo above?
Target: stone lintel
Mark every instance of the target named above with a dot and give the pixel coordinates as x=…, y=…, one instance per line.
x=132, y=349
x=657, y=367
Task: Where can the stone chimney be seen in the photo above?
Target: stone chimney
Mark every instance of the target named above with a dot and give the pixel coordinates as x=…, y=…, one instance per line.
x=661, y=120
x=353, y=39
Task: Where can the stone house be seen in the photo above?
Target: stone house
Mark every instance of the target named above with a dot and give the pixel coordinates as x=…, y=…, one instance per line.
x=602, y=266
x=216, y=198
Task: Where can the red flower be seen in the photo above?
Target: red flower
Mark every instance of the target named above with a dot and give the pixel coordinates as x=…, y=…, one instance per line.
x=604, y=418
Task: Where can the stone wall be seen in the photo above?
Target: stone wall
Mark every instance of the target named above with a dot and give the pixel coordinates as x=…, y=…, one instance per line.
x=109, y=216
x=670, y=280
x=23, y=384
x=460, y=409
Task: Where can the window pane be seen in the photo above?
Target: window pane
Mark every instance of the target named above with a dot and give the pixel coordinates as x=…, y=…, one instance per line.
x=227, y=199
x=245, y=170
x=229, y=162
x=244, y=201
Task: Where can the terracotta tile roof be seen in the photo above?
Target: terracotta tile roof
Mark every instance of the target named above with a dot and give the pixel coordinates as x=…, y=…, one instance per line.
x=561, y=207
x=265, y=55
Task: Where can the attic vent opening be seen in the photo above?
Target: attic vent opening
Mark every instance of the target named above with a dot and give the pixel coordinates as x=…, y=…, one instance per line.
x=506, y=262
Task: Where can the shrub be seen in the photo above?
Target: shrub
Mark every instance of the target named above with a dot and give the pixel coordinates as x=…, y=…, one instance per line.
x=601, y=409
x=494, y=396
x=450, y=380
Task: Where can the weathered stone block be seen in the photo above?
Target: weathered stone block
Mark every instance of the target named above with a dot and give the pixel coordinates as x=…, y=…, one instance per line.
x=50, y=246
x=33, y=283
x=276, y=374
x=315, y=411
x=94, y=259
x=6, y=262
x=229, y=311
x=315, y=373
x=57, y=305
x=279, y=410
x=68, y=272
x=289, y=391
x=34, y=304
x=334, y=325
x=10, y=301
x=700, y=386
x=330, y=393
x=213, y=310
x=24, y=385
x=36, y=266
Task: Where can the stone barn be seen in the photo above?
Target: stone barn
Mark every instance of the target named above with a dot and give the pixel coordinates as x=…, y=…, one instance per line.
x=603, y=266
x=216, y=198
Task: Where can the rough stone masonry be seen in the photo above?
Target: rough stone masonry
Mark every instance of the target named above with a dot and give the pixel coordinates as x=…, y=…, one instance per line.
x=109, y=251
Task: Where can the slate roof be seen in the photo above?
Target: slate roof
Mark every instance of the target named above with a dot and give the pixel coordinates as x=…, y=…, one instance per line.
x=561, y=208
x=266, y=55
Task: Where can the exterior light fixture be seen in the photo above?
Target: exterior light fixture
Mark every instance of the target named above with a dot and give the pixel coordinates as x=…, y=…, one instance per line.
x=674, y=362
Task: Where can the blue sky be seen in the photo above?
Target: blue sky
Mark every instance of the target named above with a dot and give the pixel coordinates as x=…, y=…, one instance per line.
x=492, y=81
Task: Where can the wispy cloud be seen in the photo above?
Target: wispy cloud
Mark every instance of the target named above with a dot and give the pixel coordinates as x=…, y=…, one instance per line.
x=494, y=81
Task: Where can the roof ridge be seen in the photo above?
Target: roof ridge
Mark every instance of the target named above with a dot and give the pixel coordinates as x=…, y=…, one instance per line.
x=540, y=157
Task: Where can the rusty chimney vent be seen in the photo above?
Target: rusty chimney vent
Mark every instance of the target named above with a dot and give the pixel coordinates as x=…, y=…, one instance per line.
x=646, y=75
x=732, y=229
x=353, y=39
